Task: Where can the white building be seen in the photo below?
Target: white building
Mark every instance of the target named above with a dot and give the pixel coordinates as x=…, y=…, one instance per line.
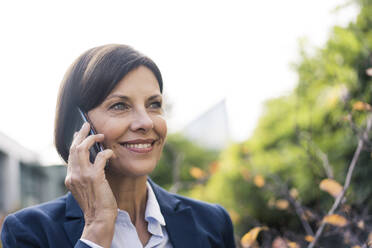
x=210, y=129
x=23, y=180
x=12, y=157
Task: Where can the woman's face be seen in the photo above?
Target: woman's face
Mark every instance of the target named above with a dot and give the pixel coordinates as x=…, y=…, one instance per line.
x=131, y=118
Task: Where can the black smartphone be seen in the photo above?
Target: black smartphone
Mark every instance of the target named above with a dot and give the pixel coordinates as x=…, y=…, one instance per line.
x=97, y=147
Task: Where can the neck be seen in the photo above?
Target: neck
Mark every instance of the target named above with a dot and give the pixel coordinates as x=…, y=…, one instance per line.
x=130, y=194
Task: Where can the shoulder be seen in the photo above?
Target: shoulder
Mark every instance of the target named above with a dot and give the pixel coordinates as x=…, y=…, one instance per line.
x=211, y=220
x=52, y=210
x=32, y=225
x=183, y=214
x=205, y=210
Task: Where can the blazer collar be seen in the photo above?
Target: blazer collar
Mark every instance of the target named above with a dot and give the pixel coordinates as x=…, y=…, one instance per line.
x=179, y=220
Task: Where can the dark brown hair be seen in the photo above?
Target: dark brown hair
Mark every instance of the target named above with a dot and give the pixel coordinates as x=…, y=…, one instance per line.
x=88, y=81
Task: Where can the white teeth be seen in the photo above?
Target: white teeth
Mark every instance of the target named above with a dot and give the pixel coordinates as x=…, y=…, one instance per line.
x=138, y=146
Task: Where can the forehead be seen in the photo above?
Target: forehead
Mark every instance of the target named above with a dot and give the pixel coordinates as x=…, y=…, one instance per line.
x=138, y=81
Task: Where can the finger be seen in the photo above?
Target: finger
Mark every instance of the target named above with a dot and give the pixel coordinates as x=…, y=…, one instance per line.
x=102, y=157
x=81, y=134
x=90, y=140
x=68, y=176
x=78, y=137
x=82, y=150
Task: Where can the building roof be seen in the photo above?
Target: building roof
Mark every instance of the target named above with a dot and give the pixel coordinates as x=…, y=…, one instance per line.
x=11, y=148
x=211, y=128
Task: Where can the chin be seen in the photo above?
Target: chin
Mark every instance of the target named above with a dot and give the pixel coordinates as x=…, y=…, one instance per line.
x=132, y=169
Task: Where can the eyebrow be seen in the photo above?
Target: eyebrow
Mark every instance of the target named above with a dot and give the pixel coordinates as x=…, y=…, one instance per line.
x=127, y=98
x=154, y=97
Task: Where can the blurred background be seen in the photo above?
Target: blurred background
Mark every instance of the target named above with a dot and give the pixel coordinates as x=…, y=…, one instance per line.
x=264, y=101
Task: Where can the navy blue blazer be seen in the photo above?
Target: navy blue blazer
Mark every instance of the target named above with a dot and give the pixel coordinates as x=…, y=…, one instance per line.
x=59, y=223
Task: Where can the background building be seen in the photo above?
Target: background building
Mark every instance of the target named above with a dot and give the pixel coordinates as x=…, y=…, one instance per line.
x=211, y=129
x=23, y=180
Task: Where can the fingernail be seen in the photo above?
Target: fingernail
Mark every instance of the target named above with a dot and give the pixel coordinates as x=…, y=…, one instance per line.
x=109, y=153
x=112, y=153
x=85, y=124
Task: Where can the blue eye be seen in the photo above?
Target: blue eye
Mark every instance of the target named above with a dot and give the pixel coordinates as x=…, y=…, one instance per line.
x=155, y=105
x=119, y=106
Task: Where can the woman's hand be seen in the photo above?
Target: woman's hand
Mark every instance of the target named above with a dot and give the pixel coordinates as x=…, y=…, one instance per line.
x=88, y=185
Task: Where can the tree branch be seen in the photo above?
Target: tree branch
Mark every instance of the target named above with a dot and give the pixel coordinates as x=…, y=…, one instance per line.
x=323, y=157
x=327, y=167
x=349, y=174
x=297, y=206
x=301, y=213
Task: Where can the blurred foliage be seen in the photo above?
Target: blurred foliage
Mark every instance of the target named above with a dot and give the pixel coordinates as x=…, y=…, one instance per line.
x=294, y=128
x=298, y=137
x=183, y=162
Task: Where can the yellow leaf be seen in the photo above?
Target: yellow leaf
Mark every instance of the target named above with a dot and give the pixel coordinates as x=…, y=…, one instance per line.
x=246, y=174
x=360, y=106
x=259, y=181
x=293, y=245
x=335, y=219
x=309, y=238
x=213, y=167
x=282, y=204
x=250, y=237
x=331, y=186
x=196, y=172
x=293, y=193
x=361, y=224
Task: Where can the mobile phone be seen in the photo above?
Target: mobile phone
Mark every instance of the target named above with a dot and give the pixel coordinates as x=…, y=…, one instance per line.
x=97, y=146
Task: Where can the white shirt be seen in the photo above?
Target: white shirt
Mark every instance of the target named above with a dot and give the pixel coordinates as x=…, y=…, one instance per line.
x=126, y=234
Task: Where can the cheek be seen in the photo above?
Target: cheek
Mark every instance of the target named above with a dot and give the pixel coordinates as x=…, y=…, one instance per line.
x=112, y=129
x=98, y=120
x=161, y=125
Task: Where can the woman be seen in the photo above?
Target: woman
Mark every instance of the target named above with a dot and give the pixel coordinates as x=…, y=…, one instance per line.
x=112, y=203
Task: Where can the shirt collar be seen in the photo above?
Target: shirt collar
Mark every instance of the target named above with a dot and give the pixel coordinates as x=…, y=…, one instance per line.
x=153, y=216
x=153, y=212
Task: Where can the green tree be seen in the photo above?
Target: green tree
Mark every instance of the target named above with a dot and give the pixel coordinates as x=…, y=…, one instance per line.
x=304, y=137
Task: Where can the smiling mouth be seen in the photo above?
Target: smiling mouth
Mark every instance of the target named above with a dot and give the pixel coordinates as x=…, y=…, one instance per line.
x=139, y=147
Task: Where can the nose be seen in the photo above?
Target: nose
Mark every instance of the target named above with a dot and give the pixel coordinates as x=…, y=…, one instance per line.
x=141, y=122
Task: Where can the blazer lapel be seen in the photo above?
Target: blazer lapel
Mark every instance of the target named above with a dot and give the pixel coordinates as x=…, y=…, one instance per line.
x=179, y=220
x=74, y=223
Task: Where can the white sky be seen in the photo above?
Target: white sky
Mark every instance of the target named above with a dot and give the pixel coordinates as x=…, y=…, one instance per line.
x=206, y=50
